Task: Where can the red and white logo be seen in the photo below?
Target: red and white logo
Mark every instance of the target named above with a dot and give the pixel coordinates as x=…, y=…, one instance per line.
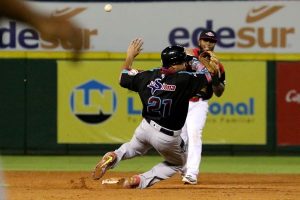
x=210, y=34
x=292, y=96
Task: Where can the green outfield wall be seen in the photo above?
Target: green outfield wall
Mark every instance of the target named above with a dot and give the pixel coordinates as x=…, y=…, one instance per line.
x=37, y=117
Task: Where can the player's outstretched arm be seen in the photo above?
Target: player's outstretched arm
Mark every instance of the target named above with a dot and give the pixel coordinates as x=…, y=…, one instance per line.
x=218, y=82
x=49, y=27
x=218, y=89
x=134, y=49
x=212, y=63
x=18, y=10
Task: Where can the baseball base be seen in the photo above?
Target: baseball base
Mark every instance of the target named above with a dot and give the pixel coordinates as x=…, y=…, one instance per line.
x=113, y=182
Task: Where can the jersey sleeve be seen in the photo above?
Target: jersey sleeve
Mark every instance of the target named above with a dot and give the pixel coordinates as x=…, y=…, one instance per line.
x=200, y=83
x=130, y=78
x=196, y=52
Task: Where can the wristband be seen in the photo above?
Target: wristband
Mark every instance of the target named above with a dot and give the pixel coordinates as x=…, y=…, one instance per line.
x=127, y=68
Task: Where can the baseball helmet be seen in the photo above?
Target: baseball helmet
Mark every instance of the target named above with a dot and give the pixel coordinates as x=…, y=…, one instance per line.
x=208, y=34
x=173, y=55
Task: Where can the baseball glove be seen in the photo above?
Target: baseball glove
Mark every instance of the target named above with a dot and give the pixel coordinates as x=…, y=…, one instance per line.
x=210, y=61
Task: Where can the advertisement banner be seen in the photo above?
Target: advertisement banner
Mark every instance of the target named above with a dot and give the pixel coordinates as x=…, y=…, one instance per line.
x=93, y=108
x=239, y=115
x=251, y=26
x=288, y=103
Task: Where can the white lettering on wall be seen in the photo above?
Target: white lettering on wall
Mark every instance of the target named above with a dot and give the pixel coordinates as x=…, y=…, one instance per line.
x=292, y=96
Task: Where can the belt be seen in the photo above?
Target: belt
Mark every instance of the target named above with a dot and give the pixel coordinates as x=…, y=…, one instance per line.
x=162, y=129
x=195, y=99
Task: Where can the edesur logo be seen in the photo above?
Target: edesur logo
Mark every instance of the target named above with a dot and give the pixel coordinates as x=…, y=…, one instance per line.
x=244, y=37
x=14, y=36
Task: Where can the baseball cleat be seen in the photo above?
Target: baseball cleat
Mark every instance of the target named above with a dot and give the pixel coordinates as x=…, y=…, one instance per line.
x=188, y=179
x=132, y=182
x=107, y=161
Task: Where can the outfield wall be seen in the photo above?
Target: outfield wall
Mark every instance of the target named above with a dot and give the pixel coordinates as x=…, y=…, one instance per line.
x=50, y=105
x=45, y=108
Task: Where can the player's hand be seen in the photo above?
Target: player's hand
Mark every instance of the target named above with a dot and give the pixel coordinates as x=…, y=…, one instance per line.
x=135, y=47
x=210, y=61
x=53, y=28
x=215, y=62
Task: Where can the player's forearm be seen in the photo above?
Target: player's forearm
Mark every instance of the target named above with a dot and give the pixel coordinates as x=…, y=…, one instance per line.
x=134, y=48
x=128, y=62
x=126, y=65
x=19, y=10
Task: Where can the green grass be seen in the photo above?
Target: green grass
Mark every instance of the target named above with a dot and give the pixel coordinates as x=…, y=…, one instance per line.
x=212, y=164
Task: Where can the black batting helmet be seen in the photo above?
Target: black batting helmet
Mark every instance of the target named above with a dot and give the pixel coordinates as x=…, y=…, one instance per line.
x=173, y=55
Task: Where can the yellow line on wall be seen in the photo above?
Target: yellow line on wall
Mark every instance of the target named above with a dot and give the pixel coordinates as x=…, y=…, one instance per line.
x=147, y=56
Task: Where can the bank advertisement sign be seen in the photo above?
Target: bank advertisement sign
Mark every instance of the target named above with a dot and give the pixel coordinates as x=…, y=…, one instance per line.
x=239, y=115
x=251, y=26
x=93, y=108
x=288, y=103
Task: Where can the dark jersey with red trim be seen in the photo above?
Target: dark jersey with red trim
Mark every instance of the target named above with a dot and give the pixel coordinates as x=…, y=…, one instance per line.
x=165, y=98
x=209, y=91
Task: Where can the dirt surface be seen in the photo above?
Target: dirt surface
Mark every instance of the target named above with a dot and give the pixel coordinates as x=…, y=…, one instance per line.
x=79, y=185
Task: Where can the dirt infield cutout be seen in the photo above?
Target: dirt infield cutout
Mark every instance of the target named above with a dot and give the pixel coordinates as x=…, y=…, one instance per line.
x=79, y=185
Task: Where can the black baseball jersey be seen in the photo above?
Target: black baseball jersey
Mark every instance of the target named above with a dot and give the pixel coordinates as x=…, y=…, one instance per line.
x=209, y=91
x=165, y=97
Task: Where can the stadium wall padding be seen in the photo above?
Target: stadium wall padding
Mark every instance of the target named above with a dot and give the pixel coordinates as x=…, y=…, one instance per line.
x=29, y=114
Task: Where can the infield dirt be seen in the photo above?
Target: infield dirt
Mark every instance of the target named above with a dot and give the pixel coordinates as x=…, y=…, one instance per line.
x=79, y=185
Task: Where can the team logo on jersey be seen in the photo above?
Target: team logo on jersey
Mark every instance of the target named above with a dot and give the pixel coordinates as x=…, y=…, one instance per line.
x=158, y=85
x=93, y=102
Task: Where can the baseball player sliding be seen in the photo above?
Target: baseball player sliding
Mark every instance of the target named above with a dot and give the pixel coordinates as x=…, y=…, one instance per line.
x=198, y=106
x=165, y=94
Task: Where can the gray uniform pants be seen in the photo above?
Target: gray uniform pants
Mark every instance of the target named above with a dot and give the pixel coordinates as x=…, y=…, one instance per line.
x=147, y=136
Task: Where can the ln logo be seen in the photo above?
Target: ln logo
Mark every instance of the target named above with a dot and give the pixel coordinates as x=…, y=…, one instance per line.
x=93, y=102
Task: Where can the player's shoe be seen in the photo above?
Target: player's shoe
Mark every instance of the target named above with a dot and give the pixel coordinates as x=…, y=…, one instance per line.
x=189, y=179
x=132, y=182
x=107, y=161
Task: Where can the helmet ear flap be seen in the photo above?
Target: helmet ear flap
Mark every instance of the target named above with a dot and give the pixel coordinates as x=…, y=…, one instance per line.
x=173, y=55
